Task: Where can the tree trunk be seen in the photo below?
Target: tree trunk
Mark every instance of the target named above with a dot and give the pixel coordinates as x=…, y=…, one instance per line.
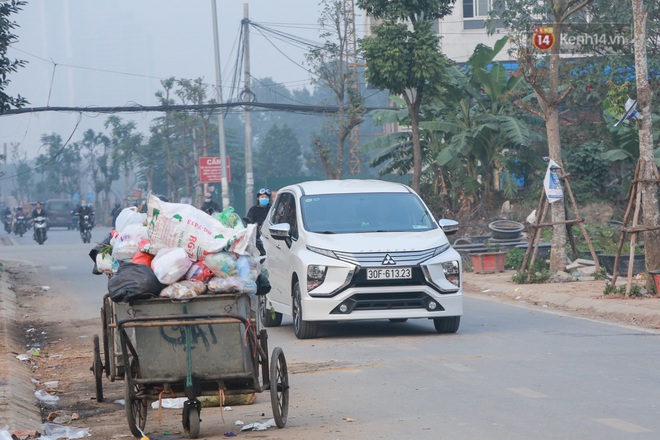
x=649, y=202
x=551, y=116
x=413, y=110
x=557, y=210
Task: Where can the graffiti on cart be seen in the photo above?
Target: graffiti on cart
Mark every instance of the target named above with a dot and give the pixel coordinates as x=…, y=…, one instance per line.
x=199, y=334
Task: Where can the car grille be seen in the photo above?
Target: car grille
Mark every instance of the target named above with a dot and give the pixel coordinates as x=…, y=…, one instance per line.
x=373, y=259
x=386, y=301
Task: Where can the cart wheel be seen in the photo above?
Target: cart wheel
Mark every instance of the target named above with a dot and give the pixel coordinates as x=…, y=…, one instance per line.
x=193, y=424
x=106, y=351
x=279, y=387
x=136, y=409
x=97, y=368
x=191, y=419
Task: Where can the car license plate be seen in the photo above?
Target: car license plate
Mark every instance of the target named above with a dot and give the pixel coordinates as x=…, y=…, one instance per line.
x=399, y=273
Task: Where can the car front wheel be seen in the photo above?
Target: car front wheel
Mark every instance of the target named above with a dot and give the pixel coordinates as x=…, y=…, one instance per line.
x=302, y=329
x=447, y=324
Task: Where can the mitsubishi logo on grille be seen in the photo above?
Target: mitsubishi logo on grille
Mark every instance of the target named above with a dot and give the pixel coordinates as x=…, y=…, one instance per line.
x=388, y=261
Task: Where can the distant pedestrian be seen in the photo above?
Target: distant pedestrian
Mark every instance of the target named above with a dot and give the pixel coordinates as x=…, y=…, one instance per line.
x=209, y=206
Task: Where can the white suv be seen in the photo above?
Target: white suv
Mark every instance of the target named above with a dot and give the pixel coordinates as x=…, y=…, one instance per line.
x=344, y=250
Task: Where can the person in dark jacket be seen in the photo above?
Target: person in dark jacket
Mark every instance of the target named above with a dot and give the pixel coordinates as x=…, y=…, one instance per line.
x=257, y=214
x=85, y=209
x=209, y=206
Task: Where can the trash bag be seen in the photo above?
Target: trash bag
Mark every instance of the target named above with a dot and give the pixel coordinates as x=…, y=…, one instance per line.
x=95, y=251
x=263, y=284
x=183, y=290
x=182, y=225
x=132, y=282
x=170, y=264
x=229, y=218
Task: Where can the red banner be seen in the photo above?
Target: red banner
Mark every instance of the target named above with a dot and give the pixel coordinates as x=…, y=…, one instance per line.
x=210, y=169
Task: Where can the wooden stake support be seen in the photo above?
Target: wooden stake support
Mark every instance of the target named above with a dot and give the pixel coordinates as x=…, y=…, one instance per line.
x=539, y=224
x=635, y=199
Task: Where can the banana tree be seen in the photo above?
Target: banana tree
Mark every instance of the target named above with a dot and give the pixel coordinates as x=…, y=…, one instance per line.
x=482, y=128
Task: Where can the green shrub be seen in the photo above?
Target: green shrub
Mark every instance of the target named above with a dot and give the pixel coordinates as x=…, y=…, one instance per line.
x=538, y=273
x=515, y=258
x=635, y=290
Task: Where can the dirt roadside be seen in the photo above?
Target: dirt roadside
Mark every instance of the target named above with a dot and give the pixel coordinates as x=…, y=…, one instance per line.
x=61, y=364
x=583, y=298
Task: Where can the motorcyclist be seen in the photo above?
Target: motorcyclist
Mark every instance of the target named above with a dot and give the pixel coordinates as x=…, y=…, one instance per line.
x=7, y=218
x=209, y=206
x=83, y=210
x=38, y=211
x=257, y=214
x=19, y=213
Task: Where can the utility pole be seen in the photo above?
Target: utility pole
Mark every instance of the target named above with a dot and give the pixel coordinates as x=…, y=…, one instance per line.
x=4, y=175
x=352, y=68
x=247, y=97
x=221, y=123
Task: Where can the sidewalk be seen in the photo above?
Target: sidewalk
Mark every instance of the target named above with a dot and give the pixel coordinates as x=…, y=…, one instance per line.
x=584, y=298
x=18, y=405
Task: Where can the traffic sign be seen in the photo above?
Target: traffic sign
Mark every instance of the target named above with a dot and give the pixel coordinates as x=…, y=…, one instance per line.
x=210, y=169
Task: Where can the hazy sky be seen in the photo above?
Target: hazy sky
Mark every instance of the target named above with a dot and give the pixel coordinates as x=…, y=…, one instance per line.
x=114, y=53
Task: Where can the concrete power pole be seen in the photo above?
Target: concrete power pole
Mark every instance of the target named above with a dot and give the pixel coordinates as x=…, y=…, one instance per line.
x=221, y=123
x=4, y=175
x=247, y=97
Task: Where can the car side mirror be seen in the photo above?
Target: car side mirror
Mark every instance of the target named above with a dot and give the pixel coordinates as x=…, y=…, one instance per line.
x=280, y=231
x=450, y=227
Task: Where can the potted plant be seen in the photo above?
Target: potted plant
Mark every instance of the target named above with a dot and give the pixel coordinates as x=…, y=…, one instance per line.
x=490, y=261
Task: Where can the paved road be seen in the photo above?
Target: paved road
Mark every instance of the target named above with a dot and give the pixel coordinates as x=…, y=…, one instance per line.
x=510, y=373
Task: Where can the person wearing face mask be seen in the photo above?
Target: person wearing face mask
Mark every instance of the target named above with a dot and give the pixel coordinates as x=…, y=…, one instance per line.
x=257, y=214
x=209, y=206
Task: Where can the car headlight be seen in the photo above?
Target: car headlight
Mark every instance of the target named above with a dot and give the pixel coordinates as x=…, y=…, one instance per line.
x=440, y=249
x=326, y=252
x=315, y=276
x=452, y=272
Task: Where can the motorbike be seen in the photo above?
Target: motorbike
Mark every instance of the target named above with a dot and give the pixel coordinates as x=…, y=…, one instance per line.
x=9, y=219
x=20, y=224
x=86, y=229
x=40, y=227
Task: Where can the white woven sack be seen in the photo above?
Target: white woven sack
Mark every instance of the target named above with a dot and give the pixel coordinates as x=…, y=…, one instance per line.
x=184, y=226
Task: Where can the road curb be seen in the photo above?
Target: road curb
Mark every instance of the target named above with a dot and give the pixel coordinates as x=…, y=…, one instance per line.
x=631, y=312
x=18, y=407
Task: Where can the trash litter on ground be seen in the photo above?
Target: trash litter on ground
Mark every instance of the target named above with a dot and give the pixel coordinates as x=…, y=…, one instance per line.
x=257, y=426
x=53, y=431
x=45, y=398
x=170, y=403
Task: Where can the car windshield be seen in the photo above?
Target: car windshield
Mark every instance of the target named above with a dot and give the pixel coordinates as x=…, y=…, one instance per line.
x=365, y=212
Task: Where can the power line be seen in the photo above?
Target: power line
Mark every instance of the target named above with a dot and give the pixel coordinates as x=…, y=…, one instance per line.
x=186, y=108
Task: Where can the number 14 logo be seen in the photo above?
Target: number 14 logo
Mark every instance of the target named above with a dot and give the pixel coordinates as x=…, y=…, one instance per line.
x=543, y=37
